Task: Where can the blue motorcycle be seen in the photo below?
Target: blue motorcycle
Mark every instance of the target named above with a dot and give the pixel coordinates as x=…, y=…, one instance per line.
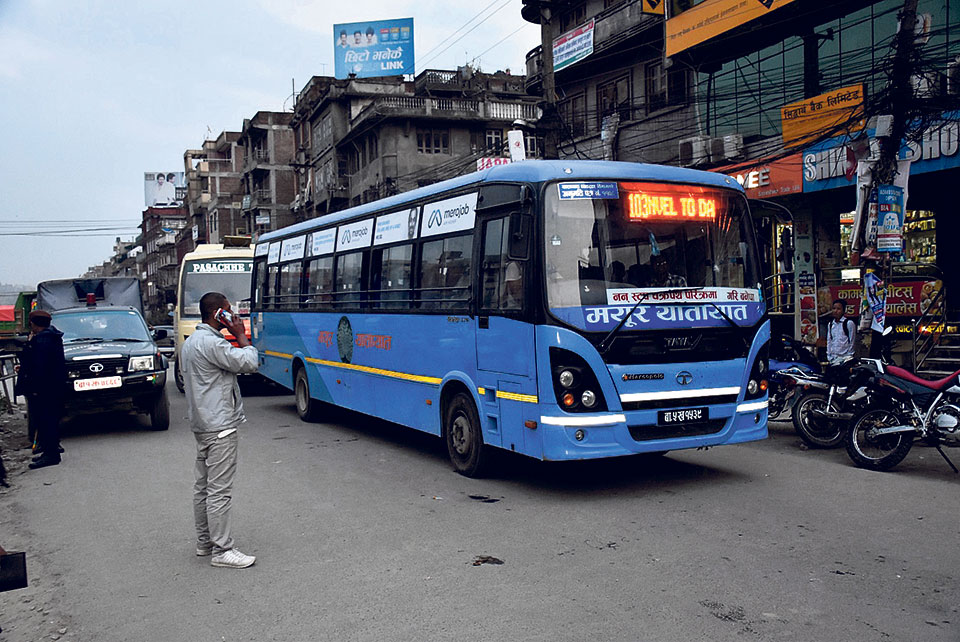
x=788, y=359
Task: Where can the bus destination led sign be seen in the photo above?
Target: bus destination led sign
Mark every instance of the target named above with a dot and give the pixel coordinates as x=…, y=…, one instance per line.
x=646, y=202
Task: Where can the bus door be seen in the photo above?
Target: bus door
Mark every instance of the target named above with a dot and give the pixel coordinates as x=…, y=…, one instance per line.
x=506, y=360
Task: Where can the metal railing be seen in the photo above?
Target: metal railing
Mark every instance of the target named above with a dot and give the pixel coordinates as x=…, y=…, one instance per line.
x=928, y=329
x=778, y=292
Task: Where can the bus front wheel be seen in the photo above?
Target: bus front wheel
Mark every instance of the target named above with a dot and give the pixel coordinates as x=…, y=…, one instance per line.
x=308, y=408
x=461, y=432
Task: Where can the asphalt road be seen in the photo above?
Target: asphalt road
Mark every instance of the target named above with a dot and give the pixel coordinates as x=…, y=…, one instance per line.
x=362, y=532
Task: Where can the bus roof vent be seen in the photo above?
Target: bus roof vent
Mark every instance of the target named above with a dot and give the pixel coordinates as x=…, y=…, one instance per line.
x=236, y=241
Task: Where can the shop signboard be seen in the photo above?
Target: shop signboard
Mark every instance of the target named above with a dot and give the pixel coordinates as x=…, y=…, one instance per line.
x=904, y=298
x=840, y=110
x=655, y=7
x=767, y=179
x=371, y=49
x=491, y=161
x=833, y=163
x=712, y=18
x=573, y=46
x=889, y=218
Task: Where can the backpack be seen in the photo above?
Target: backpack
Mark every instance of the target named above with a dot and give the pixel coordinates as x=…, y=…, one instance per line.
x=846, y=327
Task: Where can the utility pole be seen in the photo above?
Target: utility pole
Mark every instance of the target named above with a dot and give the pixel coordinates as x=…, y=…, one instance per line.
x=548, y=123
x=899, y=109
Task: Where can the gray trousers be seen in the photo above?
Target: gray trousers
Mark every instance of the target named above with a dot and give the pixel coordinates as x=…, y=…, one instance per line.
x=212, y=493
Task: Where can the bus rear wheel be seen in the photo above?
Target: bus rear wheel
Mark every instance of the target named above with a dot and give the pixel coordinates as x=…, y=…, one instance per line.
x=464, y=439
x=308, y=408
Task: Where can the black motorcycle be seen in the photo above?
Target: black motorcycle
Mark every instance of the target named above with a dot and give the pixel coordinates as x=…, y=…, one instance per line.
x=788, y=359
x=828, y=401
x=905, y=407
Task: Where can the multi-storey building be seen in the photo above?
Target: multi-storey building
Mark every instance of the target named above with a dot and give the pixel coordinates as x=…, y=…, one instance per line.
x=159, y=266
x=267, y=182
x=361, y=139
x=214, y=192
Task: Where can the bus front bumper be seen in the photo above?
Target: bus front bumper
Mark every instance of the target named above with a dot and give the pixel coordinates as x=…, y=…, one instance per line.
x=568, y=436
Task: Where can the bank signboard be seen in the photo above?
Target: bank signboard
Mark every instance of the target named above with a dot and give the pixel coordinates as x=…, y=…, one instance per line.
x=767, y=178
x=837, y=111
x=371, y=49
x=833, y=163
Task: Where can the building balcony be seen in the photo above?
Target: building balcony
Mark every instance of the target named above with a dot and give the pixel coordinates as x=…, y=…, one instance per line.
x=437, y=80
x=452, y=108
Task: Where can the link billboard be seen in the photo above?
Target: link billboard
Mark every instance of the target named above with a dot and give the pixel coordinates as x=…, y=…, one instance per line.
x=371, y=49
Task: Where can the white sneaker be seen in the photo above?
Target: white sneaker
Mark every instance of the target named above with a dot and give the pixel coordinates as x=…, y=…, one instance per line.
x=232, y=559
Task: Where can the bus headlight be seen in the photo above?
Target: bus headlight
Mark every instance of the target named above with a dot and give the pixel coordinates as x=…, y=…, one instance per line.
x=757, y=383
x=140, y=363
x=752, y=387
x=566, y=379
x=588, y=398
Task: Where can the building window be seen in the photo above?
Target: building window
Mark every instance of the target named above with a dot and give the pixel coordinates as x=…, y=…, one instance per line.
x=574, y=17
x=614, y=97
x=573, y=114
x=433, y=141
x=533, y=145
x=494, y=141
x=373, y=148
x=665, y=88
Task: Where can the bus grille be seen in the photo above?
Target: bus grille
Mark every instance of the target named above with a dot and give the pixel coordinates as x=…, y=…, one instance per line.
x=649, y=433
x=655, y=404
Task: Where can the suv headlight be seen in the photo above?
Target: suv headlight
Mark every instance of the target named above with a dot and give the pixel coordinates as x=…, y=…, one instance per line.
x=140, y=363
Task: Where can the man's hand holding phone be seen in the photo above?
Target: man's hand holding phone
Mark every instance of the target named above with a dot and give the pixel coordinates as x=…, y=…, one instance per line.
x=235, y=325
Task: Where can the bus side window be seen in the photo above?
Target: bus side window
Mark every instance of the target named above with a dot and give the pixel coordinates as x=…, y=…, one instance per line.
x=271, y=299
x=445, y=273
x=289, y=292
x=349, y=279
x=320, y=282
x=260, y=268
x=394, y=270
x=502, y=279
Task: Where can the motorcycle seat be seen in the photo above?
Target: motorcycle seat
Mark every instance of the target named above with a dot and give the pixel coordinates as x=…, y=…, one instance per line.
x=939, y=384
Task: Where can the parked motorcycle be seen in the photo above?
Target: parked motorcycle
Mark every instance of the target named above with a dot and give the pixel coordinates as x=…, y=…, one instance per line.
x=905, y=407
x=789, y=360
x=829, y=400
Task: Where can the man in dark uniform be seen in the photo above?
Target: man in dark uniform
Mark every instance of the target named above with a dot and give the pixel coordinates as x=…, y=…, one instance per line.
x=42, y=380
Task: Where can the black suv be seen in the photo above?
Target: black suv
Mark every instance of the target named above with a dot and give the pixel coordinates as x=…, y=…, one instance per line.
x=113, y=362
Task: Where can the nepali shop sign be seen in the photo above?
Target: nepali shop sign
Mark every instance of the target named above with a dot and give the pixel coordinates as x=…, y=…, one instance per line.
x=573, y=46
x=835, y=112
x=371, y=49
x=767, y=179
x=904, y=298
x=833, y=163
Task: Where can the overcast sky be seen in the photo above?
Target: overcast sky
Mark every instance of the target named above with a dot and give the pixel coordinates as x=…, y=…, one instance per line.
x=95, y=93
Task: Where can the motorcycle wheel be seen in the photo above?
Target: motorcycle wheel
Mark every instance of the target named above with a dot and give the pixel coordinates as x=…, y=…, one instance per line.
x=872, y=452
x=817, y=432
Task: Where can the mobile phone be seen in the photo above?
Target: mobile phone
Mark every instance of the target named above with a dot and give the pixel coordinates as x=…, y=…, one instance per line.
x=223, y=317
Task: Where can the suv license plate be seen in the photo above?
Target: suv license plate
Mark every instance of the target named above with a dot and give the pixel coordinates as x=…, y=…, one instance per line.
x=99, y=383
x=685, y=416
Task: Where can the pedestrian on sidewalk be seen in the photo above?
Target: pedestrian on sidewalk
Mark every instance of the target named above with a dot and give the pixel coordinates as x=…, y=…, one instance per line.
x=210, y=366
x=42, y=380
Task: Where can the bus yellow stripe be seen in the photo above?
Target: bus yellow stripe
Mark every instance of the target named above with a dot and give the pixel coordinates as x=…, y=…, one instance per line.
x=282, y=355
x=516, y=396
x=378, y=371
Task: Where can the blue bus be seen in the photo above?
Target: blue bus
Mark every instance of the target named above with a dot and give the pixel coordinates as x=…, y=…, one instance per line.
x=559, y=309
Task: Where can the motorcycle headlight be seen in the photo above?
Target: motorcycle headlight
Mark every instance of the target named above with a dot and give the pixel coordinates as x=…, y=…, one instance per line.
x=140, y=363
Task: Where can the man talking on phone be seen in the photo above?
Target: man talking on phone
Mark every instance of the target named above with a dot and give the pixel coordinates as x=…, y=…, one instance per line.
x=210, y=366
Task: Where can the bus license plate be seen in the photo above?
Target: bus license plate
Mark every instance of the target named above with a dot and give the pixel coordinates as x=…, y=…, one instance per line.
x=685, y=416
x=99, y=383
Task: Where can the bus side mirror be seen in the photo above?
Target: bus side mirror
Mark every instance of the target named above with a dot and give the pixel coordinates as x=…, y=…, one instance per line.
x=519, y=244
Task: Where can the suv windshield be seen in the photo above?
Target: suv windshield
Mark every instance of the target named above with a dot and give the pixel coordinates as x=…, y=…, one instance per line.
x=610, y=244
x=101, y=324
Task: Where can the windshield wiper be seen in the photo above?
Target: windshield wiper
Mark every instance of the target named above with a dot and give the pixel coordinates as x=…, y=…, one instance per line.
x=85, y=339
x=128, y=339
x=726, y=317
x=603, y=346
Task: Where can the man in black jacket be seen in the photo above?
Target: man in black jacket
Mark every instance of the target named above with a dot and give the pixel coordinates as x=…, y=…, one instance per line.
x=42, y=380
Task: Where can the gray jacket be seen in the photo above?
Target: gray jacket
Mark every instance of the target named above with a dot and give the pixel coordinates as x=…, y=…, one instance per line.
x=210, y=366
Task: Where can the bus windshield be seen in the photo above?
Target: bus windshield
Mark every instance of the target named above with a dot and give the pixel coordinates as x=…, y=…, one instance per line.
x=228, y=276
x=611, y=244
